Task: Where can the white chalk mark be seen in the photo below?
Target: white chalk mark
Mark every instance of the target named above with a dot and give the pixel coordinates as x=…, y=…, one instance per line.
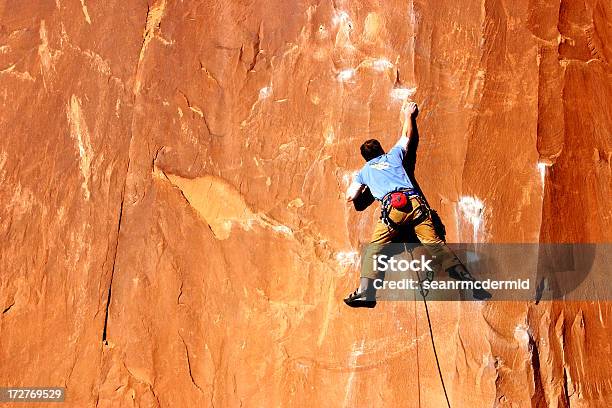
x=347, y=258
x=283, y=229
x=381, y=64
x=346, y=75
x=342, y=17
x=521, y=335
x=542, y=171
x=402, y=93
x=542, y=165
x=265, y=92
x=85, y=12
x=348, y=177
x=472, y=210
x=79, y=131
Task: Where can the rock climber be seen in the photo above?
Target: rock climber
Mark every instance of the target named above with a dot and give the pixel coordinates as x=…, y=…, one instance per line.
x=402, y=206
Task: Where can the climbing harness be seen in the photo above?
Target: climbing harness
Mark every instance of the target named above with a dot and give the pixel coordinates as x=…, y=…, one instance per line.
x=401, y=200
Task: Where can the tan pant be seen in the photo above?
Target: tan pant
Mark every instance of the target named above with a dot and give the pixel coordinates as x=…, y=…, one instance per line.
x=425, y=231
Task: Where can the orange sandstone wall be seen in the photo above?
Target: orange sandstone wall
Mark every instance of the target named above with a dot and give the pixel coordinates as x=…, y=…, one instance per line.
x=172, y=221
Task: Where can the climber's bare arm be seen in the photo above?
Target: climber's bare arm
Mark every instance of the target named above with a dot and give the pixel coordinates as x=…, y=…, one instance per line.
x=408, y=116
x=353, y=191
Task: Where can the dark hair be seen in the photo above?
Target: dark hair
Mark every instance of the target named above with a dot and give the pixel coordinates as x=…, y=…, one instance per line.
x=371, y=149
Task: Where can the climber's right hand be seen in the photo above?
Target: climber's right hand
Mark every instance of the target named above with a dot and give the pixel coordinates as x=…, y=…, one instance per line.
x=410, y=110
x=413, y=110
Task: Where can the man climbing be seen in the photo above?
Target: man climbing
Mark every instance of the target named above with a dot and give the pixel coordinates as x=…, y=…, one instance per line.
x=402, y=206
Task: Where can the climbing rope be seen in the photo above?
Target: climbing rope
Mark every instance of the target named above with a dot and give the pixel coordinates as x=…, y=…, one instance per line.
x=416, y=338
x=433, y=343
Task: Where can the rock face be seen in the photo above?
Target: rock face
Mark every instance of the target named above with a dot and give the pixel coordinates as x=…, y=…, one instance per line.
x=173, y=226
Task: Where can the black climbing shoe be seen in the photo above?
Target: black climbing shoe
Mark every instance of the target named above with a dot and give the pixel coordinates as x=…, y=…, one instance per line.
x=459, y=272
x=359, y=299
x=481, y=294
